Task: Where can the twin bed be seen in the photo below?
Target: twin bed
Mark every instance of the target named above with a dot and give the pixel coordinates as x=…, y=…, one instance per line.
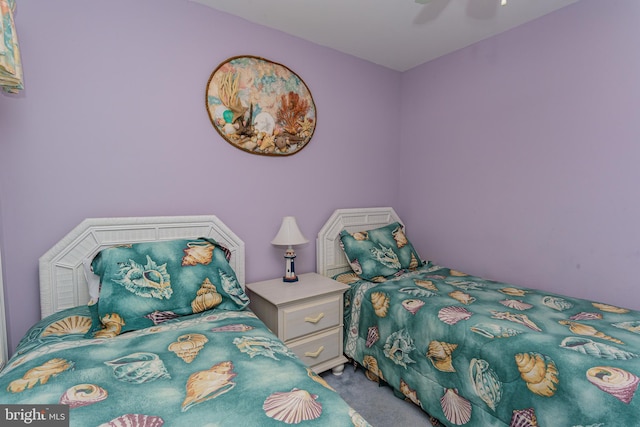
x=167, y=338
x=472, y=351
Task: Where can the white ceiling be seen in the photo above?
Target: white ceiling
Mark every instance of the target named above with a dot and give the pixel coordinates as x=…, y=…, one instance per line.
x=398, y=34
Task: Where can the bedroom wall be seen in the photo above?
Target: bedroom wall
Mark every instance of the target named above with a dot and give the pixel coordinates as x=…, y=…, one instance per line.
x=520, y=154
x=113, y=123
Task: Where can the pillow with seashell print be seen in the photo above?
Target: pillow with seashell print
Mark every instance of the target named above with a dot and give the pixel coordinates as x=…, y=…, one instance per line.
x=379, y=253
x=144, y=284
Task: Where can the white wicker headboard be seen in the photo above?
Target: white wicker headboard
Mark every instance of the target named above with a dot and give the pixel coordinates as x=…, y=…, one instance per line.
x=62, y=281
x=330, y=259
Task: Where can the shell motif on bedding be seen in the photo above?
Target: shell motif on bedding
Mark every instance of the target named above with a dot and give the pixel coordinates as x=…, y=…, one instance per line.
x=188, y=346
x=633, y=326
x=373, y=335
x=292, y=407
x=609, y=308
x=409, y=393
x=456, y=408
x=417, y=292
x=150, y=280
x=206, y=298
x=514, y=292
x=427, y=284
x=68, y=325
x=539, y=372
x=317, y=378
x=491, y=330
x=138, y=368
x=231, y=286
x=582, y=329
x=596, y=349
x=380, y=302
x=262, y=346
x=519, y=318
x=453, y=314
x=209, y=384
x=412, y=305
x=462, y=297
x=135, y=420
x=235, y=327
x=83, y=395
x=485, y=382
x=386, y=256
x=158, y=317
x=584, y=315
x=40, y=374
x=347, y=278
x=440, y=354
x=111, y=326
x=516, y=304
x=556, y=303
x=372, y=372
x=398, y=346
x=457, y=273
x=399, y=237
x=524, y=418
x=617, y=382
x=360, y=235
x=414, y=263
x=199, y=252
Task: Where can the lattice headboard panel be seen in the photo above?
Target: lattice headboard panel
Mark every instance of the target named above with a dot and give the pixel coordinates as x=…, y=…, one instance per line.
x=330, y=259
x=62, y=281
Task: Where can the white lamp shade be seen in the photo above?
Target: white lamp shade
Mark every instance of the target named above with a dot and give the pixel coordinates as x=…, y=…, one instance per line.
x=289, y=233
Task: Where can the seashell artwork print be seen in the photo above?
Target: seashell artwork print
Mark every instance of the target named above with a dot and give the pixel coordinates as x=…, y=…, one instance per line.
x=380, y=302
x=360, y=235
x=209, y=384
x=427, y=284
x=150, y=280
x=68, y=325
x=206, y=298
x=370, y=363
x=373, y=335
x=582, y=329
x=596, y=349
x=462, y=297
x=262, y=346
x=40, y=374
x=138, y=368
x=524, y=418
x=457, y=273
x=522, y=319
x=617, y=382
x=317, y=378
x=609, y=308
x=158, y=317
x=491, y=330
x=412, y=305
x=517, y=304
x=292, y=407
x=398, y=346
x=409, y=393
x=514, y=292
x=485, y=382
x=347, y=278
x=414, y=263
x=633, y=326
x=231, y=286
x=417, y=292
x=386, y=256
x=135, y=420
x=456, y=408
x=188, y=346
x=539, y=373
x=111, y=326
x=356, y=267
x=453, y=314
x=440, y=355
x=399, y=237
x=556, y=303
x=584, y=315
x=200, y=252
x=83, y=395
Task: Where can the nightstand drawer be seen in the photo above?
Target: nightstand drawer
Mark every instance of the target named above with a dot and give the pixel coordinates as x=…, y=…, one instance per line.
x=315, y=316
x=319, y=348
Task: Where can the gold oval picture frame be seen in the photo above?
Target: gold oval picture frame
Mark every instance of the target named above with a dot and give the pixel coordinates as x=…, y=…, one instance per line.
x=260, y=106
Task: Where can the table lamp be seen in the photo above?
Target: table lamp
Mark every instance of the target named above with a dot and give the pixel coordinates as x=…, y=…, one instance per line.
x=289, y=235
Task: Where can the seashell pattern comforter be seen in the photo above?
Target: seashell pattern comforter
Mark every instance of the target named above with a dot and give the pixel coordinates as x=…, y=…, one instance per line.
x=215, y=368
x=475, y=352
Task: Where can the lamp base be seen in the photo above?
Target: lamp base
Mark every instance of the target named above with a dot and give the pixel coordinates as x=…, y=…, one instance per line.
x=290, y=279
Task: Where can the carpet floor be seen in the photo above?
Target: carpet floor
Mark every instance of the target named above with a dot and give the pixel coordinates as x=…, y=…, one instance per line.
x=377, y=404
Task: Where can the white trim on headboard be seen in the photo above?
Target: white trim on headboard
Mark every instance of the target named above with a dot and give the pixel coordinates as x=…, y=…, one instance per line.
x=330, y=259
x=62, y=281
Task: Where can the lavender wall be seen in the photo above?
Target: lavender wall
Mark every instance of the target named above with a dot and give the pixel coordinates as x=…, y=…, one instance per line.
x=113, y=123
x=525, y=165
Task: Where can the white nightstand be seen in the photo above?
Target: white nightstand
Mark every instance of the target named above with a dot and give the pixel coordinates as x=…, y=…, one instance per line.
x=306, y=315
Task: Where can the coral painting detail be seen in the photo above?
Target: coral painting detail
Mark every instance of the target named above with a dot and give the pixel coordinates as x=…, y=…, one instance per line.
x=260, y=106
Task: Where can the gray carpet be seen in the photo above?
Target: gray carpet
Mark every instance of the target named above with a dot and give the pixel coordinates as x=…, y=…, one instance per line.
x=377, y=404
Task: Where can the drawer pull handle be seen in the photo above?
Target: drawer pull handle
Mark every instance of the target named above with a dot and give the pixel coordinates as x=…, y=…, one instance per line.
x=314, y=319
x=315, y=353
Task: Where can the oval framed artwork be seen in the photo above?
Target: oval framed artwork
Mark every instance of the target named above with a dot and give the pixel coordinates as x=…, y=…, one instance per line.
x=260, y=106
